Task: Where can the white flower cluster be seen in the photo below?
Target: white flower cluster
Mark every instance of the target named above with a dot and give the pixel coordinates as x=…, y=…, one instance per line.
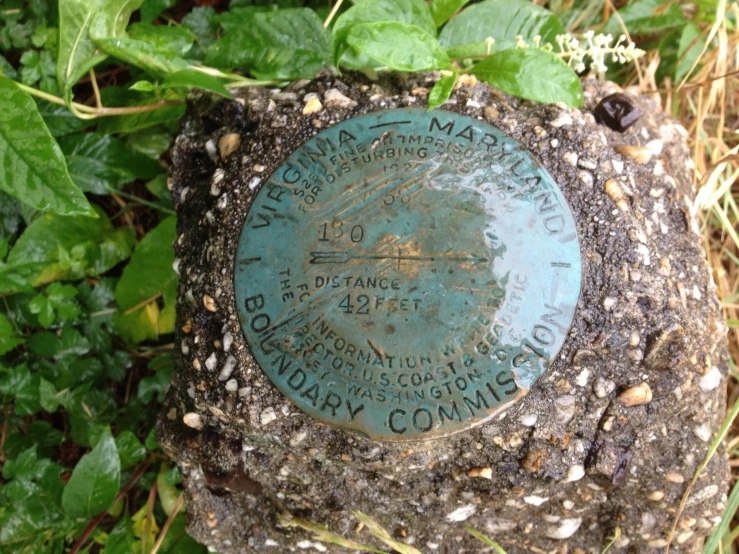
x=595, y=47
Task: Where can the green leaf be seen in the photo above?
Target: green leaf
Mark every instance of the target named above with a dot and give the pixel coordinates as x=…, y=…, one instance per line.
x=151, y=9
x=398, y=46
x=56, y=247
x=101, y=164
x=442, y=90
x=151, y=143
x=48, y=396
x=443, y=10
x=533, y=74
x=68, y=346
x=8, y=341
x=41, y=306
x=502, y=20
x=122, y=97
x=94, y=482
x=691, y=45
x=192, y=78
x=144, y=55
x=77, y=54
x=32, y=166
x=148, y=276
x=59, y=120
x=130, y=449
x=410, y=12
x=80, y=23
x=646, y=17
x=120, y=539
x=275, y=45
x=177, y=40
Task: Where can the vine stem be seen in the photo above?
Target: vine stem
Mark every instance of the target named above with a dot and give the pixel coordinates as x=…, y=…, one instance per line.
x=88, y=112
x=168, y=523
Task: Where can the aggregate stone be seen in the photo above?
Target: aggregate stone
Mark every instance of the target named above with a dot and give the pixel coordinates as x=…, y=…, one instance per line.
x=569, y=462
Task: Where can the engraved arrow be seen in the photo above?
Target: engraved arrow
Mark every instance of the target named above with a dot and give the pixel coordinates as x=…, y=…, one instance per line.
x=343, y=257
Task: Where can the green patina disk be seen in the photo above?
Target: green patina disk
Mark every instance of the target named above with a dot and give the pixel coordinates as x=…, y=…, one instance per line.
x=407, y=275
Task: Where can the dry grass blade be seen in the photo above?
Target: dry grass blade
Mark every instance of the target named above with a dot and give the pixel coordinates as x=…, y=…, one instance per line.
x=378, y=531
x=486, y=540
x=320, y=533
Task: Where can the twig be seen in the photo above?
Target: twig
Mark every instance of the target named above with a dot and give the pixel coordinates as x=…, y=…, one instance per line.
x=96, y=90
x=332, y=14
x=149, y=515
x=95, y=522
x=143, y=303
x=168, y=523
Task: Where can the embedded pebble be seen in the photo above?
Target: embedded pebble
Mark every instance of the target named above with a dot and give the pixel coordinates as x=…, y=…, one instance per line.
x=636, y=396
x=565, y=408
x=313, y=105
x=534, y=500
x=209, y=303
x=603, y=387
x=228, y=144
x=616, y=193
x=227, y=369
x=192, y=419
x=335, y=99
x=566, y=528
x=228, y=339
x=529, y=420
x=268, y=416
x=575, y=473
x=561, y=120
x=211, y=361
x=232, y=385
x=640, y=154
x=703, y=432
x=461, y=514
x=710, y=380
x=484, y=472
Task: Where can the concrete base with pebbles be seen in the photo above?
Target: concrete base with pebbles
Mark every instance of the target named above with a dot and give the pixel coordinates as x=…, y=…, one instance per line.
x=610, y=437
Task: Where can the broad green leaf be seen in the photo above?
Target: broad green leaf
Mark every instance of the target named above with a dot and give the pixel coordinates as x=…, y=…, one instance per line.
x=646, y=17
x=177, y=40
x=49, y=398
x=283, y=44
x=443, y=10
x=691, y=45
x=8, y=338
x=146, y=56
x=201, y=21
x=19, y=382
x=130, y=449
x=56, y=247
x=411, y=12
x=502, y=20
x=76, y=54
x=147, y=281
x=71, y=344
x=192, y=78
x=442, y=90
x=151, y=9
x=121, y=539
x=101, y=164
x=32, y=166
x=151, y=143
x=238, y=17
x=398, y=46
x=533, y=74
x=59, y=119
x=94, y=482
x=80, y=22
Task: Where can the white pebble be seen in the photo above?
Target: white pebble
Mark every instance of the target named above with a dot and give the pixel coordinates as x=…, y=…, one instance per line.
x=253, y=183
x=529, y=420
x=461, y=514
x=211, y=362
x=534, y=500
x=227, y=369
x=561, y=120
x=268, y=416
x=575, y=473
x=193, y=420
x=228, y=340
x=565, y=529
x=232, y=385
x=710, y=380
x=703, y=432
x=582, y=379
